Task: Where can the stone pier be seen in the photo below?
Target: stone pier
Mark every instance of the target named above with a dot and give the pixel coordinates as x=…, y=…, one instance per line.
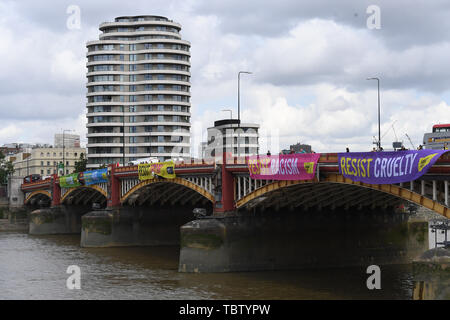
x=249, y=241
x=57, y=220
x=134, y=226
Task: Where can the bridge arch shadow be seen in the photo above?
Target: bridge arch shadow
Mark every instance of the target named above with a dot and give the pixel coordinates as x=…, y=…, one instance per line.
x=84, y=195
x=37, y=197
x=173, y=192
x=334, y=191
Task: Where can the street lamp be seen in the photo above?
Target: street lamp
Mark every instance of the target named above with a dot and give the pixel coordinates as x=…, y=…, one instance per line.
x=239, y=107
x=64, y=151
x=379, y=126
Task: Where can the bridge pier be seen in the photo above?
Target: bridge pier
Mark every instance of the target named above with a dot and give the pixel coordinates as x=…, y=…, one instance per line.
x=134, y=226
x=294, y=240
x=56, y=220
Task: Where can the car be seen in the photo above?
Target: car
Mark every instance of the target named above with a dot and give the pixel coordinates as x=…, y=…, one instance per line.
x=32, y=178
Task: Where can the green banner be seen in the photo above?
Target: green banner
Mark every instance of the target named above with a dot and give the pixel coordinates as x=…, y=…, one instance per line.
x=69, y=181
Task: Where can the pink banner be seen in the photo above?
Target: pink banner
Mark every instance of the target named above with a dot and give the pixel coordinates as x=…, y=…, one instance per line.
x=298, y=166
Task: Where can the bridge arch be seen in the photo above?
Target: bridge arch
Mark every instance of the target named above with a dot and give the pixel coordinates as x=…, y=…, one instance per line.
x=84, y=194
x=38, y=194
x=178, y=191
x=334, y=187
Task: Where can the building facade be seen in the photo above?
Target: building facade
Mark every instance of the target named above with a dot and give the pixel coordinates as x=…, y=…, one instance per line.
x=70, y=140
x=231, y=136
x=44, y=161
x=138, y=91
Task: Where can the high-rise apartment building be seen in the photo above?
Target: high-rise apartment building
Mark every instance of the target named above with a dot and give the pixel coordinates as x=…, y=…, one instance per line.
x=138, y=91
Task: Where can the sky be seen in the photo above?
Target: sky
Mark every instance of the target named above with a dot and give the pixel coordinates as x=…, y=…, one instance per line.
x=310, y=61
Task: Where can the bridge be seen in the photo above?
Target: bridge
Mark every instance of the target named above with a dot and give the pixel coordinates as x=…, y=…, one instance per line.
x=226, y=186
x=247, y=224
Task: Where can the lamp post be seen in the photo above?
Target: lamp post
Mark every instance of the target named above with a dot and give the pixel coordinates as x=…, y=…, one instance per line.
x=64, y=150
x=379, y=126
x=239, y=107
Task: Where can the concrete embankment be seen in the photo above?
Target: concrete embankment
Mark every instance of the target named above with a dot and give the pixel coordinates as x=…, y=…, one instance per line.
x=13, y=219
x=5, y=225
x=432, y=275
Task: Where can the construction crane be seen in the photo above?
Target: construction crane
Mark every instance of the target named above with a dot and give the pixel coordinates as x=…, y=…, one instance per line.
x=414, y=148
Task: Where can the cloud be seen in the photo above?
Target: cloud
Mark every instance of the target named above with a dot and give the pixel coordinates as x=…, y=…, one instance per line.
x=309, y=63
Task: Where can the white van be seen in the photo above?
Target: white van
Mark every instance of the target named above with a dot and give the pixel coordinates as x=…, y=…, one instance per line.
x=144, y=160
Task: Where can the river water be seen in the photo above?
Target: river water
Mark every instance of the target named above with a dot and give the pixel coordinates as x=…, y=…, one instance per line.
x=34, y=267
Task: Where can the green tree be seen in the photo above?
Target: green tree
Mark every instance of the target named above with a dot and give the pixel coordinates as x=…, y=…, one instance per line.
x=80, y=165
x=6, y=168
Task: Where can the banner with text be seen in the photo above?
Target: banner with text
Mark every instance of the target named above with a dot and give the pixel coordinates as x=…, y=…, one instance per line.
x=161, y=169
x=95, y=176
x=299, y=166
x=387, y=167
x=69, y=181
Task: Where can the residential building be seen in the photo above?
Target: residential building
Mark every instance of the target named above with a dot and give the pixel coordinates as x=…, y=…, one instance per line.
x=138, y=100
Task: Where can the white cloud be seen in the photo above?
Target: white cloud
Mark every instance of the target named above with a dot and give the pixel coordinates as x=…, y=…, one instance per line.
x=308, y=82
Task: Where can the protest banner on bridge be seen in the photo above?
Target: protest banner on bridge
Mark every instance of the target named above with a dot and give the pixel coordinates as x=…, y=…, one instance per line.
x=387, y=167
x=69, y=181
x=95, y=176
x=300, y=166
x=161, y=169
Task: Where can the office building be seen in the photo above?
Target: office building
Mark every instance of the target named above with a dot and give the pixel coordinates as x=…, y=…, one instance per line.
x=44, y=161
x=70, y=140
x=231, y=136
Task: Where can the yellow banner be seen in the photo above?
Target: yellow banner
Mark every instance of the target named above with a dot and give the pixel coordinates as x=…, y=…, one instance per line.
x=164, y=170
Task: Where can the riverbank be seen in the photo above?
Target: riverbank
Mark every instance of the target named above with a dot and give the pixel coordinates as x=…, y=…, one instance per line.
x=18, y=225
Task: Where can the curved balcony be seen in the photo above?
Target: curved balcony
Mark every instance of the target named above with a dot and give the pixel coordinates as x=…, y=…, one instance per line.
x=140, y=33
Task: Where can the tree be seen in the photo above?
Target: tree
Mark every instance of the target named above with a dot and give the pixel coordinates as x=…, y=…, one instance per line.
x=80, y=165
x=6, y=169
